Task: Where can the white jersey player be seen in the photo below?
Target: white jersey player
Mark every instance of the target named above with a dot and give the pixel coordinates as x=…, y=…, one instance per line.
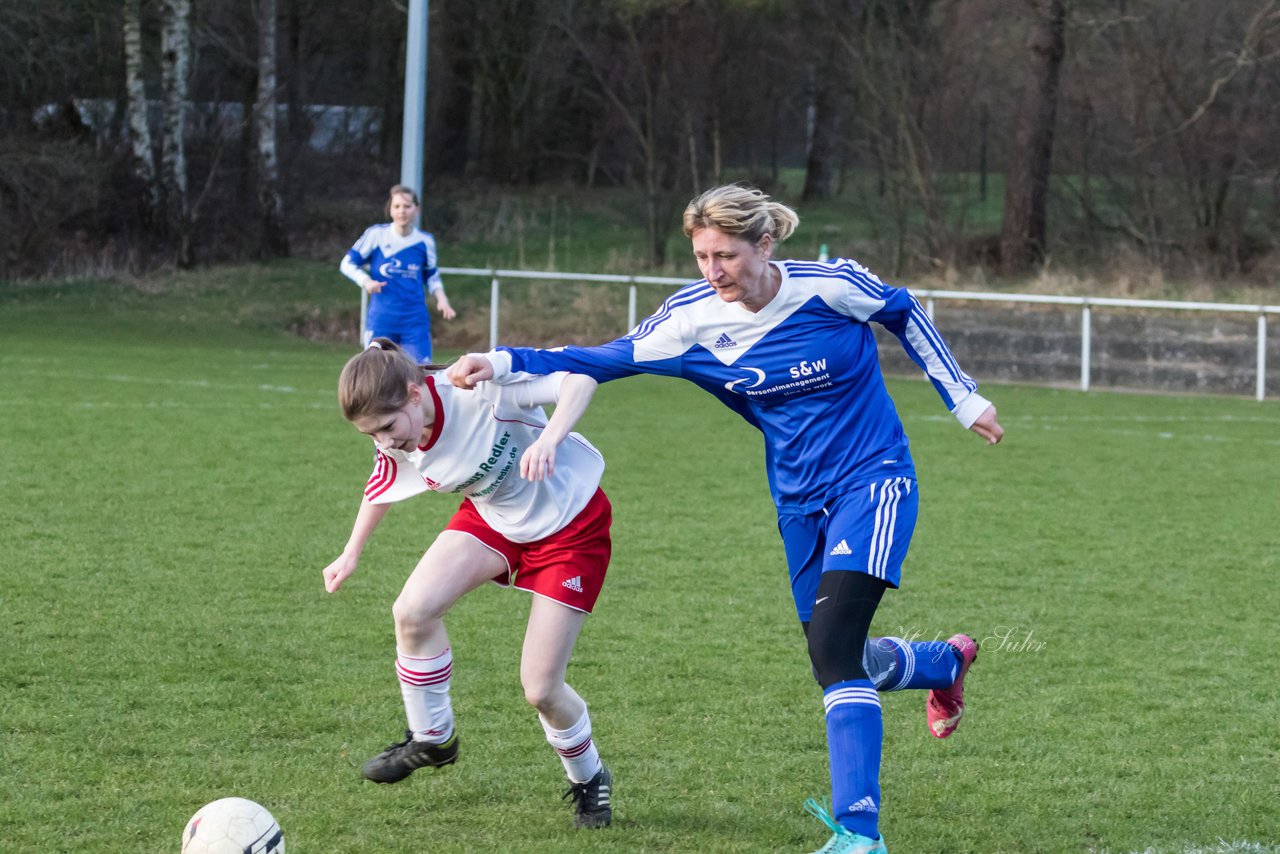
x=533, y=516
x=474, y=448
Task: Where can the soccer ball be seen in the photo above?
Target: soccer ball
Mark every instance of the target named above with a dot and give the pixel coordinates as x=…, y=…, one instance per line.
x=232, y=826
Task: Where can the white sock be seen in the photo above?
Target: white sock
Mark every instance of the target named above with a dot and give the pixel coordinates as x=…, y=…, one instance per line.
x=424, y=684
x=576, y=748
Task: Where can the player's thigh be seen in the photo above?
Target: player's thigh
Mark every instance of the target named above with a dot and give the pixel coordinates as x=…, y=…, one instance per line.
x=548, y=641
x=454, y=565
x=869, y=529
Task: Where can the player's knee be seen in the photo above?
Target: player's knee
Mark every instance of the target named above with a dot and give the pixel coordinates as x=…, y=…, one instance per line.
x=541, y=692
x=835, y=653
x=414, y=619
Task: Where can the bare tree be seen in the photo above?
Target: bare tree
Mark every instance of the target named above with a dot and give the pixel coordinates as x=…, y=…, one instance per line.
x=629, y=60
x=275, y=240
x=144, y=162
x=1022, y=238
x=828, y=24
x=451, y=103
x=175, y=73
x=523, y=95
x=898, y=57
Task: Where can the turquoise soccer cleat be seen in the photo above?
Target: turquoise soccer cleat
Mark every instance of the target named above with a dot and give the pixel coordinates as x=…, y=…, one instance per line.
x=843, y=840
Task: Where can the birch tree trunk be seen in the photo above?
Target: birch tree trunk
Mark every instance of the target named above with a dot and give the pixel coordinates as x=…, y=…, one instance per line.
x=144, y=162
x=175, y=43
x=274, y=239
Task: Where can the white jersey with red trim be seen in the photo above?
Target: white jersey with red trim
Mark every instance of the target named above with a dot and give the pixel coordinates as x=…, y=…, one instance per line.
x=475, y=446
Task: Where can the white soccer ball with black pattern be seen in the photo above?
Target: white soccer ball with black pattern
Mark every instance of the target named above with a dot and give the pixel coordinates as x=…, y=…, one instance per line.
x=232, y=826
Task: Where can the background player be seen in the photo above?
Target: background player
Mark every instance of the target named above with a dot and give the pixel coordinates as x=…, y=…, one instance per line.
x=400, y=259
x=788, y=347
x=533, y=516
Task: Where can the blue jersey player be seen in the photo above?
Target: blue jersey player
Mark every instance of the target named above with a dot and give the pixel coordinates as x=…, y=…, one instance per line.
x=787, y=345
x=401, y=262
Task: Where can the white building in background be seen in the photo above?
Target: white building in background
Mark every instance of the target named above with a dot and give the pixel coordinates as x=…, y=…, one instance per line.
x=332, y=128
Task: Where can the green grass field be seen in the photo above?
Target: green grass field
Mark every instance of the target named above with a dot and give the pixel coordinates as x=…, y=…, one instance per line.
x=175, y=475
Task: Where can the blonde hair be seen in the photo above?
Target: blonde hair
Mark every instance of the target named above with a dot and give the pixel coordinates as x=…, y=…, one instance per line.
x=401, y=190
x=742, y=211
x=376, y=381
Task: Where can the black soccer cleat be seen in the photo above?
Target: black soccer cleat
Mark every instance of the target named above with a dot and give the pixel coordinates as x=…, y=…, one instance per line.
x=593, y=800
x=403, y=758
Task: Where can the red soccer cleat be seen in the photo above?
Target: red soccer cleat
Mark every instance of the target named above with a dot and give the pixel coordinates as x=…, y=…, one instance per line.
x=945, y=706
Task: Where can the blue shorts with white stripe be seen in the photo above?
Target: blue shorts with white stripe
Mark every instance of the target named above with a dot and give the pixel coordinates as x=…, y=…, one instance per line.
x=866, y=530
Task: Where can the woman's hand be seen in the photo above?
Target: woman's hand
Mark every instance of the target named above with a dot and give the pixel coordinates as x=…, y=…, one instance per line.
x=338, y=571
x=539, y=460
x=469, y=370
x=442, y=303
x=988, y=427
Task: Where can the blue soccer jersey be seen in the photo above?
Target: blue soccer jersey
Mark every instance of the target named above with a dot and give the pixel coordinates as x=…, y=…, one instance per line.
x=803, y=370
x=405, y=263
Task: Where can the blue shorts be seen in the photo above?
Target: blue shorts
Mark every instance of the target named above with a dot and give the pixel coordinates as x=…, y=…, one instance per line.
x=867, y=530
x=416, y=342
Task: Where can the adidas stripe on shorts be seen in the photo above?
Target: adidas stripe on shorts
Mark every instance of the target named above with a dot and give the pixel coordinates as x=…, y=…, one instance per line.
x=866, y=530
x=569, y=566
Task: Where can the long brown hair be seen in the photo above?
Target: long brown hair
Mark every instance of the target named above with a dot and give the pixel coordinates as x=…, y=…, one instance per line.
x=401, y=190
x=376, y=380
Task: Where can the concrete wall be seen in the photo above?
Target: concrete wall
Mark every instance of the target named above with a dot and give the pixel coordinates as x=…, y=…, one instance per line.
x=1166, y=351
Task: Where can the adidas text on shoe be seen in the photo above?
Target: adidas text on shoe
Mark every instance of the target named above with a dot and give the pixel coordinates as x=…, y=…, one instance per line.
x=593, y=800
x=403, y=758
x=843, y=840
x=945, y=706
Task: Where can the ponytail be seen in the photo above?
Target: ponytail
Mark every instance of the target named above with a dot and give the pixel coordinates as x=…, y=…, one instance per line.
x=376, y=381
x=741, y=211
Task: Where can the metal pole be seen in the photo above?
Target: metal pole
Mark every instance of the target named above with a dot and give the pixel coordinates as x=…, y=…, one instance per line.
x=631, y=308
x=928, y=307
x=1260, y=392
x=1086, y=343
x=493, y=313
x=364, y=315
x=415, y=108
x=415, y=98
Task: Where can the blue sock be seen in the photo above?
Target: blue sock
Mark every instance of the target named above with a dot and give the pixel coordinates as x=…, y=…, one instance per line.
x=918, y=664
x=854, y=733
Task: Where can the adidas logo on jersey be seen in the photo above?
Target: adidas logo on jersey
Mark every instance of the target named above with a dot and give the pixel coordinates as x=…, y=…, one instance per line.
x=842, y=548
x=864, y=805
x=574, y=584
x=725, y=341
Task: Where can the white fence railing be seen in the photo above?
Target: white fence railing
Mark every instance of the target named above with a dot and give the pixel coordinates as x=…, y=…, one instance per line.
x=929, y=297
x=1086, y=305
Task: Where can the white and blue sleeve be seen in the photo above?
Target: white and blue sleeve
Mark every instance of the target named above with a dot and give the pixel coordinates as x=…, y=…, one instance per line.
x=868, y=298
x=352, y=264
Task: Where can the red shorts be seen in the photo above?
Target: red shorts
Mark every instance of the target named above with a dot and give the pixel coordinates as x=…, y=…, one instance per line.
x=568, y=566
